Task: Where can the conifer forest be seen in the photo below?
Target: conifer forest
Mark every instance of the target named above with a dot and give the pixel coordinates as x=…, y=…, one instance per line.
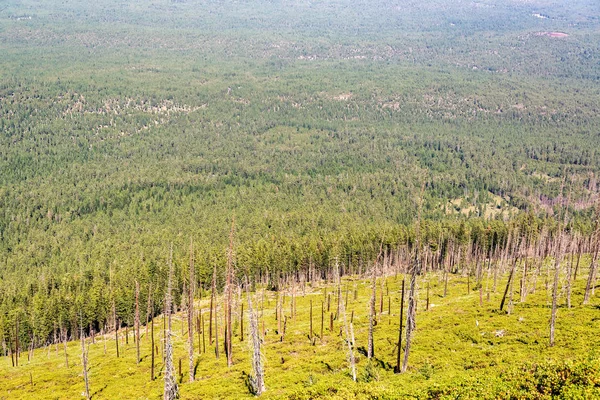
x=300, y=199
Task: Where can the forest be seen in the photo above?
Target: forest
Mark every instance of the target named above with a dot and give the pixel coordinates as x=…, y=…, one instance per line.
x=168, y=159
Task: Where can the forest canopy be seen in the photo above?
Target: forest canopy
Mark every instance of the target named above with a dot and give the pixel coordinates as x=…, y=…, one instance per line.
x=127, y=126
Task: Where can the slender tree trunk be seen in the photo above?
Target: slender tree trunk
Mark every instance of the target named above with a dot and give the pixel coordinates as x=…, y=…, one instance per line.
x=203, y=335
x=84, y=364
x=349, y=342
x=149, y=311
x=595, y=241
x=216, y=332
x=412, y=308
x=152, y=350
x=212, y=304
x=242, y=323
x=137, y=321
x=559, y=255
x=412, y=294
x=171, y=390
x=17, y=344
x=116, y=328
x=65, y=346
x=591, y=276
x=579, y=251
x=569, y=273
x=322, y=318
x=397, y=369
x=190, y=313
x=258, y=378
x=228, y=298
x=371, y=344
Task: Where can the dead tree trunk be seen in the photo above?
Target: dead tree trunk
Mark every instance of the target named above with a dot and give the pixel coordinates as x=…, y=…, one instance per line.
x=412, y=308
x=397, y=369
x=152, y=350
x=17, y=344
x=349, y=341
x=258, y=379
x=322, y=318
x=371, y=345
x=137, y=321
x=116, y=328
x=190, y=313
x=64, y=344
x=412, y=294
x=558, y=260
x=212, y=304
x=171, y=391
x=228, y=298
x=149, y=311
x=596, y=248
x=84, y=362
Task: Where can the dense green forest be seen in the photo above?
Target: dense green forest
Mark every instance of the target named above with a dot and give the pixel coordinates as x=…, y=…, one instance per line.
x=126, y=127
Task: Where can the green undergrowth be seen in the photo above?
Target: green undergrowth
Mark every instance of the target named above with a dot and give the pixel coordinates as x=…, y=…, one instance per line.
x=461, y=350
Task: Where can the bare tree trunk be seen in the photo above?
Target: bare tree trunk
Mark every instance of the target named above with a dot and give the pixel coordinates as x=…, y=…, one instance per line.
x=216, y=331
x=558, y=260
x=228, y=299
x=203, y=335
x=412, y=309
x=569, y=272
x=137, y=321
x=349, y=341
x=171, y=391
x=84, y=364
x=65, y=345
x=579, y=251
x=596, y=248
x=591, y=276
x=511, y=277
x=152, y=350
x=190, y=313
x=116, y=328
x=149, y=311
x=411, y=323
x=397, y=369
x=370, y=348
x=17, y=344
x=322, y=318
x=212, y=304
x=258, y=379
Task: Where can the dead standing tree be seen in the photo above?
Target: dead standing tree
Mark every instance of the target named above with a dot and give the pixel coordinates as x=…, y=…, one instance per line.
x=257, y=380
x=228, y=296
x=349, y=333
x=190, y=312
x=137, y=321
x=84, y=364
x=594, y=264
x=371, y=344
x=171, y=391
x=558, y=260
x=415, y=270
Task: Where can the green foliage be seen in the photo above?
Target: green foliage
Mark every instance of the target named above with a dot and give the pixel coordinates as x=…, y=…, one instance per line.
x=443, y=365
x=127, y=126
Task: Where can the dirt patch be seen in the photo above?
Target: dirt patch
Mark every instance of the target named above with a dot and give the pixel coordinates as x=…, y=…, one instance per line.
x=343, y=97
x=553, y=34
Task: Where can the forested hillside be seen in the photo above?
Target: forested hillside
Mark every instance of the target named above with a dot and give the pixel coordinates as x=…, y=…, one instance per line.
x=320, y=127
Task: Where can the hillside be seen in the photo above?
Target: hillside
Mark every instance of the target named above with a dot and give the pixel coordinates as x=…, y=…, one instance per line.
x=272, y=140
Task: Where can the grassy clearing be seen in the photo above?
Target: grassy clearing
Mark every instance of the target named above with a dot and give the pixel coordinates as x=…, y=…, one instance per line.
x=461, y=350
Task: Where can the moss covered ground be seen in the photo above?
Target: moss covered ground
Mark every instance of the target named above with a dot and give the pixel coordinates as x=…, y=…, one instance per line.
x=461, y=349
